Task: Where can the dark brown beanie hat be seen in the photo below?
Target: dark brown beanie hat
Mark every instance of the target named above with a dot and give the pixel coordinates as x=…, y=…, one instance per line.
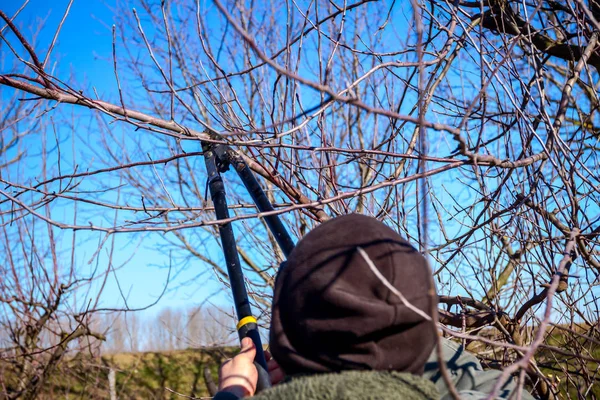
x=332, y=313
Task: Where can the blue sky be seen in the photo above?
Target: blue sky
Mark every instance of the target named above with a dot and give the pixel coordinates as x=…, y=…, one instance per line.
x=84, y=45
x=83, y=54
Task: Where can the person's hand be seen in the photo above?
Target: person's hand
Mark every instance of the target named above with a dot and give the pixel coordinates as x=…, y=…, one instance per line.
x=239, y=375
x=275, y=372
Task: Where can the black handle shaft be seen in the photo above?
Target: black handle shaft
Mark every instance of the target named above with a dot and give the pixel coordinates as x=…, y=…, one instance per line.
x=247, y=326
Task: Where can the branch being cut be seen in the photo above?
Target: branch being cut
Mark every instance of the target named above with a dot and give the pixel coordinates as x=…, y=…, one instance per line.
x=145, y=121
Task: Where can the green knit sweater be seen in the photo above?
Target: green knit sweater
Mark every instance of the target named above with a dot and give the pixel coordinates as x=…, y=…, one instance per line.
x=364, y=385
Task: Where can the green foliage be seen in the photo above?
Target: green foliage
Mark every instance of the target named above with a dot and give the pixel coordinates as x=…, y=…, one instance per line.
x=150, y=375
x=165, y=375
x=569, y=372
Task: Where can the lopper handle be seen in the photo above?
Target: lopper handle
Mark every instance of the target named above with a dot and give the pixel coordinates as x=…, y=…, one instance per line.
x=251, y=330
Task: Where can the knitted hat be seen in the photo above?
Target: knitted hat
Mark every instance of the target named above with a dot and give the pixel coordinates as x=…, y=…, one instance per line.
x=331, y=312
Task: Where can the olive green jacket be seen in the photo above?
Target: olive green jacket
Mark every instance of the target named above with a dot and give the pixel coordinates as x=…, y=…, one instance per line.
x=349, y=385
x=466, y=373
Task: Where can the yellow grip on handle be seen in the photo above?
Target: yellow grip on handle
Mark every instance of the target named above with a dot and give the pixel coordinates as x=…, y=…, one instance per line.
x=246, y=320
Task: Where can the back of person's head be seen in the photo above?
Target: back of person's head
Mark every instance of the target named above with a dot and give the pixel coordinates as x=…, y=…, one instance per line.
x=332, y=313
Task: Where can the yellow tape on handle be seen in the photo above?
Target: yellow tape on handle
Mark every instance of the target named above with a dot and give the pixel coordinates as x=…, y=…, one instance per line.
x=246, y=320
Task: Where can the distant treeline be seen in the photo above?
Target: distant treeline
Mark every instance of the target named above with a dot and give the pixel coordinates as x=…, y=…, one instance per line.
x=166, y=330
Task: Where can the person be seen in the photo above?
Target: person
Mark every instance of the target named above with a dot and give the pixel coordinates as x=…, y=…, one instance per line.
x=351, y=318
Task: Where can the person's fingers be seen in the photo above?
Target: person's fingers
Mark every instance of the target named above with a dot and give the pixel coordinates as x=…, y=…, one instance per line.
x=275, y=372
x=246, y=342
x=276, y=376
x=272, y=364
x=248, y=351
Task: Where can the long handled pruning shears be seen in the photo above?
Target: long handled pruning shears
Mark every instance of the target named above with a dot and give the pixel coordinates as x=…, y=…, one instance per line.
x=218, y=158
